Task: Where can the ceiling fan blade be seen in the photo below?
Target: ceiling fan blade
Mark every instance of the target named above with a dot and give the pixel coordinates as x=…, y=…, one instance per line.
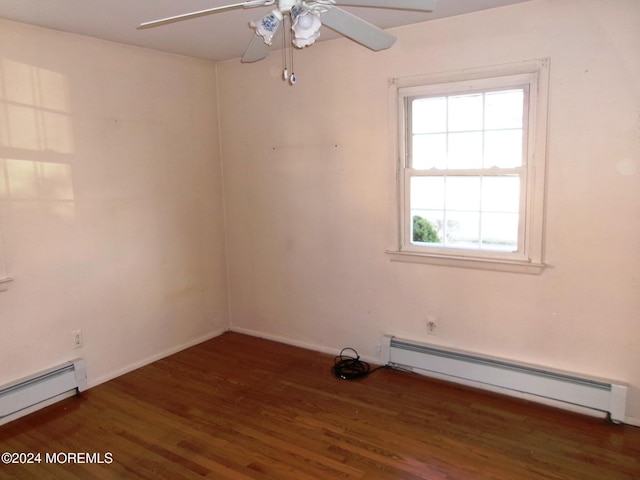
x=422, y=5
x=357, y=29
x=257, y=50
x=202, y=13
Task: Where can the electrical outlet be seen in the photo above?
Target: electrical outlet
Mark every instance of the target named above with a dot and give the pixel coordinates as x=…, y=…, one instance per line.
x=432, y=327
x=77, y=338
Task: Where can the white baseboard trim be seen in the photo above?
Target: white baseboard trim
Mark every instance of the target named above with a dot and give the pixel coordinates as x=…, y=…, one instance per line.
x=634, y=422
x=134, y=366
x=296, y=343
x=287, y=341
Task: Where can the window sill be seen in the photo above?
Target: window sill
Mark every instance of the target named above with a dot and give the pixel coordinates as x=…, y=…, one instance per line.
x=512, y=266
x=4, y=284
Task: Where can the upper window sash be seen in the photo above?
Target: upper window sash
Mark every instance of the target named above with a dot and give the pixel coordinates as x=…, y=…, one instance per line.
x=410, y=133
x=481, y=86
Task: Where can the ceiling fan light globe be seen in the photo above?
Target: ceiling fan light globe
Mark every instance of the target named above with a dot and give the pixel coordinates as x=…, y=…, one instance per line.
x=305, y=21
x=306, y=29
x=304, y=42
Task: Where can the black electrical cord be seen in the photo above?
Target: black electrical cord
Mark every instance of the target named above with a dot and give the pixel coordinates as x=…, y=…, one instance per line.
x=350, y=367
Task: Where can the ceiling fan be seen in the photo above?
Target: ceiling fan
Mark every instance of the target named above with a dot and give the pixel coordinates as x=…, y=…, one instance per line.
x=305, y=19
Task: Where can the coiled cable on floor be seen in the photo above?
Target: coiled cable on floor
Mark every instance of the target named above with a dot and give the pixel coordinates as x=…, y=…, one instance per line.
x=350, y=367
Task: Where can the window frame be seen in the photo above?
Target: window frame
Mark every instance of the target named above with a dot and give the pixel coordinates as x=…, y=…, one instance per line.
x=533, y=75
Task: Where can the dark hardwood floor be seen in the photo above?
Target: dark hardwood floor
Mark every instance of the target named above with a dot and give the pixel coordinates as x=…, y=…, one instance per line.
x=238, y=407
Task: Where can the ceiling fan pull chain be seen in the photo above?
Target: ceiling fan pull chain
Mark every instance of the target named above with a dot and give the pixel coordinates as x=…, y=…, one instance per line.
x=285, y=70
x=292, y=78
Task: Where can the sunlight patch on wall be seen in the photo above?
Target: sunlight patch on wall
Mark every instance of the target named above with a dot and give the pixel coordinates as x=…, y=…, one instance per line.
x=25, y=179
x=41, y=181
x=34, y=108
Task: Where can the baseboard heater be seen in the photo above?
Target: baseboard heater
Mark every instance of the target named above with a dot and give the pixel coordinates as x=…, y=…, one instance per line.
x=42, y=389
x=508, y=377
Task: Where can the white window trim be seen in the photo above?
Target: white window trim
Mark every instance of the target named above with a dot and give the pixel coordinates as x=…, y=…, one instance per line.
x=537, y=73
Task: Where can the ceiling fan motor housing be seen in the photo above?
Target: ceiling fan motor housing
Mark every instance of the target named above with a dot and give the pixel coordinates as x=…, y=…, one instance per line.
x=285, y=6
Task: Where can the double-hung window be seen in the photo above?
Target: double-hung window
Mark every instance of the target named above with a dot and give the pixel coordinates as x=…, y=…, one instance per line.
x=471, y=167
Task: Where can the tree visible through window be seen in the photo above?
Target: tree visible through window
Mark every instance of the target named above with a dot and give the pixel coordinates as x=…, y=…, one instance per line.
x=424, y=231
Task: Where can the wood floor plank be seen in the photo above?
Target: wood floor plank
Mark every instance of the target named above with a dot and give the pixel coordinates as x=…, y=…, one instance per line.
x=243, y=408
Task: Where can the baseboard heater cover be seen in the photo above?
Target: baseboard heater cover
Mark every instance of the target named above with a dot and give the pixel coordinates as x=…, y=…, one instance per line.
x=456, y=365
x=42, y=389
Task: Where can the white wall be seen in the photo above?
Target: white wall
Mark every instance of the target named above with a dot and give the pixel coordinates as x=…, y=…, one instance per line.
x=309, y=178
x=110, y=203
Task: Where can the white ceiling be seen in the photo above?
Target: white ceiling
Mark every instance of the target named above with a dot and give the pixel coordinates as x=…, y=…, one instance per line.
x=217, y=37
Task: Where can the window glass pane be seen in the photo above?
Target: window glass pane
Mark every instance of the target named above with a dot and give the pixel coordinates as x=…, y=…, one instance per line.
x=462, y=229
x=429, y=151
x=503, y=109
x=465, y=150
x=503, y=148
x=429, y=115
x=501, y=194
x=463, y=193
x=500, y=231
x=465, y=113
x=427, y=193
